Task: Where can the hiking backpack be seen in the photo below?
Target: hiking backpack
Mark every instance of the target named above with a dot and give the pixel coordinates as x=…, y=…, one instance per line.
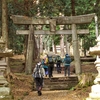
x=68, y=60
x=50, y=60
x=38, y=72
x=59, y=59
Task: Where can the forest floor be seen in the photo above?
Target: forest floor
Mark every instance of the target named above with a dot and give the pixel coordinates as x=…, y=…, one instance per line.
x=21, y=84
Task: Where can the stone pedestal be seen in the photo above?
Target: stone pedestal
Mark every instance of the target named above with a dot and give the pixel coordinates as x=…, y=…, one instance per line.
x=4, y=85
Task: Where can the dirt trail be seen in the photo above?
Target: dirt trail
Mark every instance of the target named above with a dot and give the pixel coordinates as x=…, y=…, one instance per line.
x=22, y=90
x=59, y=95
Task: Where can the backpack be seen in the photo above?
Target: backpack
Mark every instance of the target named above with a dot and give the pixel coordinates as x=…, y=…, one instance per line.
x=46, y=60
x=38, y=72
x=59, y=59
x=50, y=60
x=67, y=60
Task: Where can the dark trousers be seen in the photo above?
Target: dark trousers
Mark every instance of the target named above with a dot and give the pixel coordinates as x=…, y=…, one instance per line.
x=46, y=71
x=39, y=83
x=50, y=70
x=67, y=70
x=58, y=67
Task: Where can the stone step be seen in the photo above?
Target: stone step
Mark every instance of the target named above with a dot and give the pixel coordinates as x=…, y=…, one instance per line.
x=59, y=83
x=3, y=64
x=92, y=99
x=6, y=97
x=61, y=79
x=58, y=87
x=2, y=68
x=3, y=82
x=94, y=95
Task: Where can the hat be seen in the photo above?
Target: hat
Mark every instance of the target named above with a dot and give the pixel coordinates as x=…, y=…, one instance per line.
x=39, y=63
x=67, y=55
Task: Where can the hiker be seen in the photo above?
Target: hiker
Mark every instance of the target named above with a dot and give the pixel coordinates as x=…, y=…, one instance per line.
x=67, y=61
x=38, y=74
x=50, y=66
x=46, y=59
x=58, y=61
x=45, y=67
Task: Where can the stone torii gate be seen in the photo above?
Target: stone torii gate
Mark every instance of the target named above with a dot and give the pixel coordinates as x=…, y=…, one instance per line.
x=73, y=20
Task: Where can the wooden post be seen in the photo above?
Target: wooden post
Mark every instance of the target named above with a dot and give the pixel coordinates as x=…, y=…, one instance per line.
x=29, y=55
x=76, y=50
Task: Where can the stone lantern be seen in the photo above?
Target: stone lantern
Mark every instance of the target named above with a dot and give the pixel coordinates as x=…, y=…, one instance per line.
x=4, y=84
x=95, y=89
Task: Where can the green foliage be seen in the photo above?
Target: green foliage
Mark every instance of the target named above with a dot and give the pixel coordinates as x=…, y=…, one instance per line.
x=20, y=0
x=50, y=8
x=84, y=7
x=89, y=40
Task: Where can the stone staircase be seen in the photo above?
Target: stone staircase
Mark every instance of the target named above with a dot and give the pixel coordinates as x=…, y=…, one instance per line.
x=59, y=83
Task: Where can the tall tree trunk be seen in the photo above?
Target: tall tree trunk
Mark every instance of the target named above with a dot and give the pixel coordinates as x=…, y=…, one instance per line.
x=67, y=46
x=53, y=46
x=36, y=50
x=62, y=46
x=38, y=46
x=41, y=44
x=67, y=43
x=84, y=50
x=5, y=30
x=4, y=23
x=73, y=7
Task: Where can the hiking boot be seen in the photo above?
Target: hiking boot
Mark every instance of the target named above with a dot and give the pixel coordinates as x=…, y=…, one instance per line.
x=45, y=75
x=39, y=93
x=50, y=78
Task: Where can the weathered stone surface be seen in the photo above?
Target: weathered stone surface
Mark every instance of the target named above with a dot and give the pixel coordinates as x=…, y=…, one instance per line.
x=4, y=91
x=59, y=83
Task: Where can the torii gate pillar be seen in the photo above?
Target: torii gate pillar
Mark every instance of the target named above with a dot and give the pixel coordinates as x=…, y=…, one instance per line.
x=75, y=49
x=29, y=54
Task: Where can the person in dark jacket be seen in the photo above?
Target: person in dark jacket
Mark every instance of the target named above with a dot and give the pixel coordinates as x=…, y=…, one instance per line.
x=67, y=61
x=38, y=74
x=50, y=66
x=58, y=63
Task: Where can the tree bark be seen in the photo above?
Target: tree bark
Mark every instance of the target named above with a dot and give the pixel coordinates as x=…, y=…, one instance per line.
x=67, y=46
x=62, y=46
x=73, y=7
x=5, y=30
x=41, y=44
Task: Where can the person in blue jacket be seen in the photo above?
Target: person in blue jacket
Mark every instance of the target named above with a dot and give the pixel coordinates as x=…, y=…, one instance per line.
x=67, y=61
x=45, y=67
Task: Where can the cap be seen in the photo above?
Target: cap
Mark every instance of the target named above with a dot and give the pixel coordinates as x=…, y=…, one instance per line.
x=39, y=63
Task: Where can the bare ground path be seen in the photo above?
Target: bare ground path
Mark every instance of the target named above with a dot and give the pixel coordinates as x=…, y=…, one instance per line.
x=22, y=90
x=59, y=95
x=47, y=95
